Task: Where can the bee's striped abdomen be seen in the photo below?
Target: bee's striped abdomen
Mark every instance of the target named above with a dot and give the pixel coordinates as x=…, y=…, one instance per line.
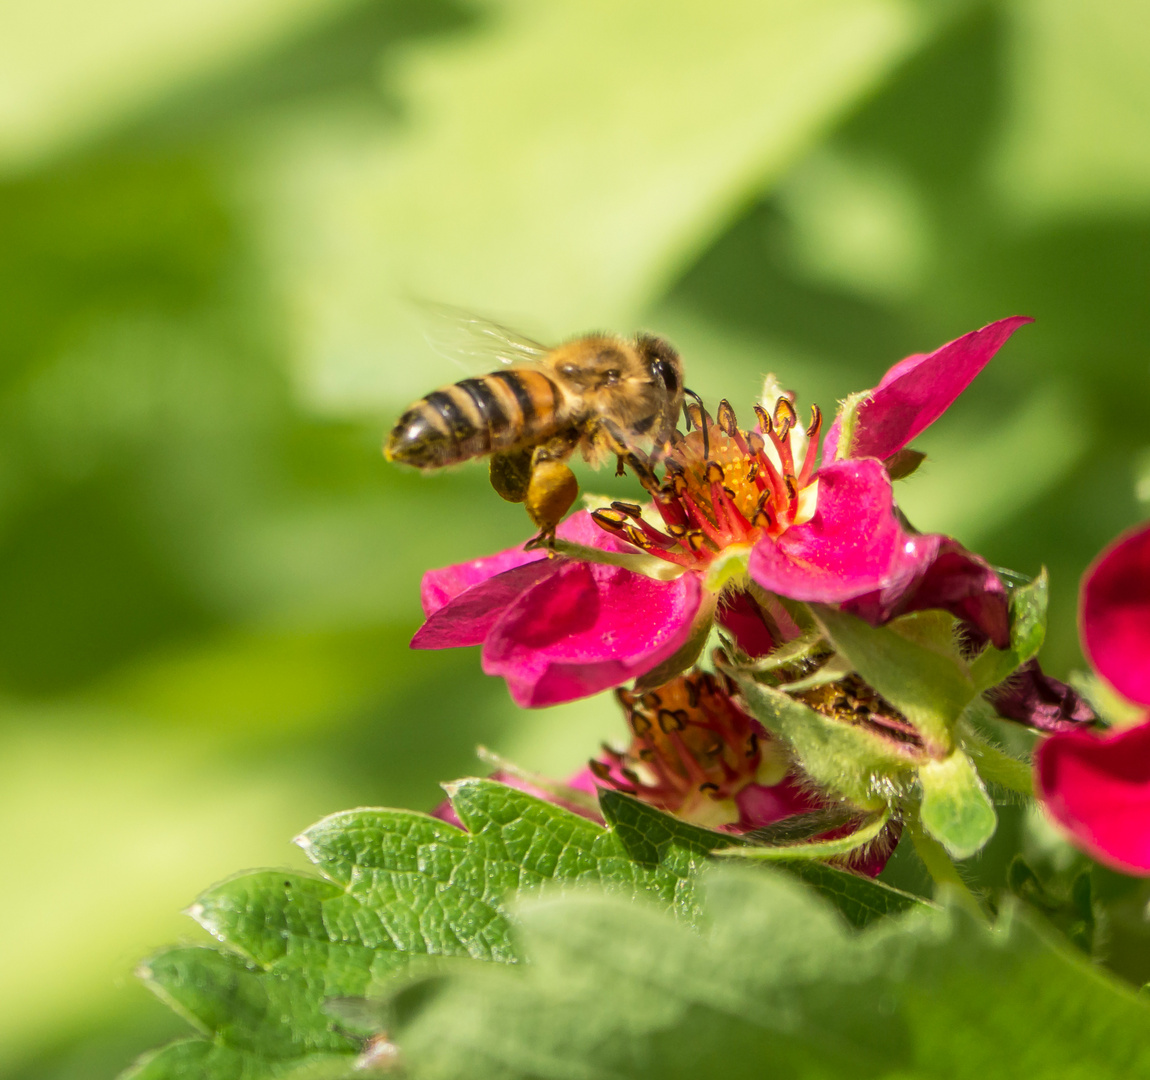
x=477, y=416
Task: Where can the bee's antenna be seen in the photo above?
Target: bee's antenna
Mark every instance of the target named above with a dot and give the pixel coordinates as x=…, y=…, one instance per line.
x=702, y=422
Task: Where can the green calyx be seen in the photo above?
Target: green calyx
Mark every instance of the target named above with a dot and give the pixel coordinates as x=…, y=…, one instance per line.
x=918, y=734
x=850, y=761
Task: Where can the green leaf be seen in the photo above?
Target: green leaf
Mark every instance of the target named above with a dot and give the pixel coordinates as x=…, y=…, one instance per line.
x=775, y=985
x=840, y=757
x=651, y=837
x=195, y=1059
x=1028, y=605
x=860, y=900
x=1069, y=905
x=956, y=810
x=400, y=888
x=913, y=663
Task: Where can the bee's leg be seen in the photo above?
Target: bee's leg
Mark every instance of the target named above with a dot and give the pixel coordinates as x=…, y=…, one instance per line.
x=553, y=487
x=511, y=474
x=620, y=465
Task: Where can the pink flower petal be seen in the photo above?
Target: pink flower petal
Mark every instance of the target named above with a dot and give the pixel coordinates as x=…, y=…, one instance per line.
x=740, y=615
x=1115, y=614
x=1032, y=697
x=760, y=806
x=956, y=580
x=918, y=390
x=441, y=586
x=1098, y=788
x=446, y=812
x=467, y=618
x=853, y=545
x=584, y=780
x=586, y=628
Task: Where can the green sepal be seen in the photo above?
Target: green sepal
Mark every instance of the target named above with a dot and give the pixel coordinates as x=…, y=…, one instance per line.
x=847, y=418
x=836, y=668
x=913, y=662
x=814, y=849
x=997, y=767
x=1028, y=605
x=955, y=809
x=807, y=647
x=842, y=758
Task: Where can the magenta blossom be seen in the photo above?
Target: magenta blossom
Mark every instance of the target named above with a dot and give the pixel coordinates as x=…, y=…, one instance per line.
x=639, y=593
x=1098, y=786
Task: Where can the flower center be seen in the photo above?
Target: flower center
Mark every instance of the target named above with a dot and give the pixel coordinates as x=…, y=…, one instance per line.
x=723, y=487
x=692, y=750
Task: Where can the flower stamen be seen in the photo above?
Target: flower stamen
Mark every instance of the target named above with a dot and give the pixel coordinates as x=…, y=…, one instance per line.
x=721, y=487
x=692, y=749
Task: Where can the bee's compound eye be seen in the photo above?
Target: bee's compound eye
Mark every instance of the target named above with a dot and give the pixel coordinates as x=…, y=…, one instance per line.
x=667, y=374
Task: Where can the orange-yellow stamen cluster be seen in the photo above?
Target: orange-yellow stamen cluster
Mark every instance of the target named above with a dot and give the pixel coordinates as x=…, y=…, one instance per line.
x=720, y=486
x=692, y=749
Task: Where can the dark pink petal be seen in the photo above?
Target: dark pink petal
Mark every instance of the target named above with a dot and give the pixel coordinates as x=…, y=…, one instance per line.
x=446, y=812
x=586, y=628
x=440, y=587
x=467, y=619
x=1115, y=615
x=852, y=546
x=740, y=615
x=760, y=806
x=1032, y=697
x=1098, y=788
x=584, y=780
x=955, y=580
x=918, y=390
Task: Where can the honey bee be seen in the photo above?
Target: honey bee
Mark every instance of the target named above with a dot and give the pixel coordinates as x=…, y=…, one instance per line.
x=600, y=393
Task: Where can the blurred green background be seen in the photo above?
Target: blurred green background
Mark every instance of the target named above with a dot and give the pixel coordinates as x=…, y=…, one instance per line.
x=210, y=215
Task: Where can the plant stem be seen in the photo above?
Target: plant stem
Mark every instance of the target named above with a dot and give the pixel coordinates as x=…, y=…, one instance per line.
x=939, y=865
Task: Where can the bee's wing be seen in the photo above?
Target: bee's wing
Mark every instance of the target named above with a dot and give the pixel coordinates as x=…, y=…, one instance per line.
x=474, y=343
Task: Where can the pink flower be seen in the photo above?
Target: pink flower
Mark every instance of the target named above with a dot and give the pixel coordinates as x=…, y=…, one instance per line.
x=1098, y=786
x=695, y=754
x=732, y=507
